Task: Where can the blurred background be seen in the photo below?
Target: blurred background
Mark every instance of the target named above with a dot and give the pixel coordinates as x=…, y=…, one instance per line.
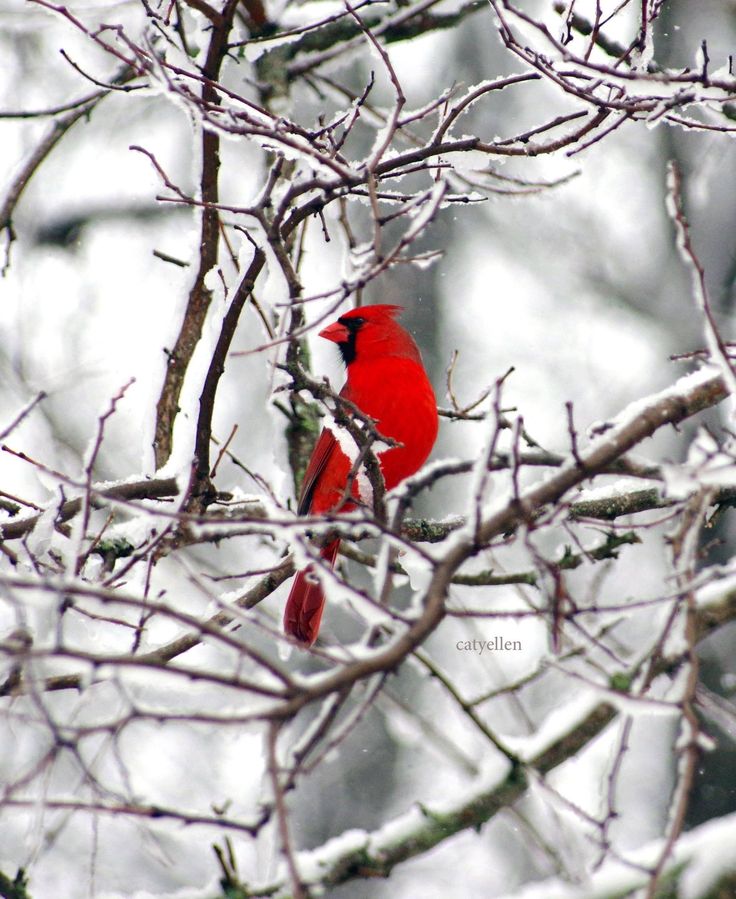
x=579, y=287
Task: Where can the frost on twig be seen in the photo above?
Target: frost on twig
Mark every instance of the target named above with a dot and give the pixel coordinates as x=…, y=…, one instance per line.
x=502, y=612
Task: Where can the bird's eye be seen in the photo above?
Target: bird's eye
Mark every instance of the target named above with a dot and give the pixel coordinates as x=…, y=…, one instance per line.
x=352, y=323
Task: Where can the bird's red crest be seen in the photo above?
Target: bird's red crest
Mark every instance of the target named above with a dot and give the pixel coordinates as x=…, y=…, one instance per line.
x=375, y=313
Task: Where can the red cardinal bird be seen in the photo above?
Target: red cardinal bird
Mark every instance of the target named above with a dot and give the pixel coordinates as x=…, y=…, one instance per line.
x=387, y=381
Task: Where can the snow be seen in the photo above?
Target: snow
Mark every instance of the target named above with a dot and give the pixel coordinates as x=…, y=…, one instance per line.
x=706, y=852
x=681, y=387
x=312, y=865
x=716, y=592
x=209, y=889
x=707, y=465
x=419, y=570
x=532, y=283
x=615, y=489
x=40, y=538
x=561, y=721
x=710, y=849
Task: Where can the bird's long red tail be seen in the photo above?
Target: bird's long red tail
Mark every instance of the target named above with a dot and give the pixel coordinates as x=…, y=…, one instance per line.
x=306, y=601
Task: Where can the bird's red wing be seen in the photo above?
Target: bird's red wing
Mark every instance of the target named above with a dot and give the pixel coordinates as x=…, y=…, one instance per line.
x=320, y=456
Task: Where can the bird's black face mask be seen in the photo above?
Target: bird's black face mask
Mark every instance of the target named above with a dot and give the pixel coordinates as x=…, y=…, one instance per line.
x=347, y=347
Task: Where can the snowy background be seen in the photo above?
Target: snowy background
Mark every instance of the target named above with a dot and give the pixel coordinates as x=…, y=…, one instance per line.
x=578, y=287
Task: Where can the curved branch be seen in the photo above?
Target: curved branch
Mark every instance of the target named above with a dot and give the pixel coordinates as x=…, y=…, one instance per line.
x=146, y=489
x=424, y=827
x=200, y=492
x=200, y=296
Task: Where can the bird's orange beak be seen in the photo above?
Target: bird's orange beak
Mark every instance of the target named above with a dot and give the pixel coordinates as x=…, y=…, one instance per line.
x=335, y=332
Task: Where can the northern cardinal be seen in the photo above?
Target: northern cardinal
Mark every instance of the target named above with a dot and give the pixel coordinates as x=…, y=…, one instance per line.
x=387, y=381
